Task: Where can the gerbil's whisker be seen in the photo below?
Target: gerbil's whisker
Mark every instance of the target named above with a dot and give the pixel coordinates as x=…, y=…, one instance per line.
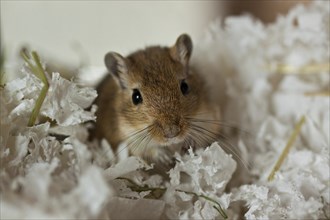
x=231, y=148
x=136, y=143
x=132, y=138
x=136, y=132
x=204, y=139
x=196, y=137
x=150, y=135
x=144, y=144
x=216, y=137
x=189, y=141
x=220, y=123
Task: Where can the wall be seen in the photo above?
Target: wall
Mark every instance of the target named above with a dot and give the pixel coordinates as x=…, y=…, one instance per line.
x=76, y=31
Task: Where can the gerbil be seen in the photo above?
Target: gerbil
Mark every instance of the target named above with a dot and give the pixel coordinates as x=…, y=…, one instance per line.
x=153, y=101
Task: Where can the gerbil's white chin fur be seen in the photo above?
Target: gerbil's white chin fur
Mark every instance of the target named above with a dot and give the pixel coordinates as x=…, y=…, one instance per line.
x=171, y=141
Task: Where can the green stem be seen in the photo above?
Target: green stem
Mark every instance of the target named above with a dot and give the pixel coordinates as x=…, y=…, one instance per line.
x=37, y=106
x=286, y=149
x=155, y=193
x=219, y=208
x=138, y=188
x=39, y=71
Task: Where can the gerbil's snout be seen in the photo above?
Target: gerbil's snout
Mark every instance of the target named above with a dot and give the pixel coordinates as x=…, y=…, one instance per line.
x=171, y=131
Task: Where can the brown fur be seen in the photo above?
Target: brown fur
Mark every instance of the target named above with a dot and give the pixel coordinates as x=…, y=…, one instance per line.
x=156, y=72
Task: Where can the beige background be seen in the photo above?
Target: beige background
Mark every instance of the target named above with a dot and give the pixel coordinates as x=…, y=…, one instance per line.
x=83, y=31
x=70, y=33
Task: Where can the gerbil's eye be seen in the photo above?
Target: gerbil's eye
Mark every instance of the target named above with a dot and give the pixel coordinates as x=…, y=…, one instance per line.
x=184, y=87
x=136, y=97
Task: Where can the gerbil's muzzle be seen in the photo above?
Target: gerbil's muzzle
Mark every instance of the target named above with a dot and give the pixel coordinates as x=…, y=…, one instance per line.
x=171, y=131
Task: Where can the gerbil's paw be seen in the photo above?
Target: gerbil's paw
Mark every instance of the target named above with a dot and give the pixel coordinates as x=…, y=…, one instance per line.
x=167, y=163
x=164, y=159
x=187, y=145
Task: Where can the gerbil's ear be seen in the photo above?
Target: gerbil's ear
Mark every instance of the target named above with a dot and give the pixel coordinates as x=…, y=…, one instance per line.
x=116, y=64
x=182, y=49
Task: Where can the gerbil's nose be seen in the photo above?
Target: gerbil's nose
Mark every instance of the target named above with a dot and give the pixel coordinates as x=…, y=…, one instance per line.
x=171, y=131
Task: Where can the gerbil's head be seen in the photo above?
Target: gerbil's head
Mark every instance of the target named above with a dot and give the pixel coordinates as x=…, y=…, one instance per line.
x=157, y=92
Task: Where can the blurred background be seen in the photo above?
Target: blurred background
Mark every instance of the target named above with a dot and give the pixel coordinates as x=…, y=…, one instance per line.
x=75, y=33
